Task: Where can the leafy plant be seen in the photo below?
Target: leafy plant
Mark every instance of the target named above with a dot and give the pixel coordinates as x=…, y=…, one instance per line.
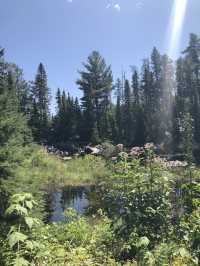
x=19, y=236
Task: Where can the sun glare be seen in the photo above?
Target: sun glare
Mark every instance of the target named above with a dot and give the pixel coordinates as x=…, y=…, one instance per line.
x=176, y=26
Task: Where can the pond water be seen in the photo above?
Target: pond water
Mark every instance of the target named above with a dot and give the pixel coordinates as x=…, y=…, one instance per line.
x=69, y=197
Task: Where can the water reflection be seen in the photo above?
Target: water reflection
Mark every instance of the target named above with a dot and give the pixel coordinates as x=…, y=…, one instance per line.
x=70, y=197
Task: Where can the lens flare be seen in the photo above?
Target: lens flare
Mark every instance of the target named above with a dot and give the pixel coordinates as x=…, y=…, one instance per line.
x=176, y=27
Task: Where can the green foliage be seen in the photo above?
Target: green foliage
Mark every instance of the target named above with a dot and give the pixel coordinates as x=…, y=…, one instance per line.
x=96, y=84
x=40, y=173
x=39, y=115
x=139, y=198
x=76, y=243
x=19, y=239
x=88, y=242
x=15, y=136
x=187, y=97
x=149, y=209
x=127, y=114
x=108, y=150
x=67, y=122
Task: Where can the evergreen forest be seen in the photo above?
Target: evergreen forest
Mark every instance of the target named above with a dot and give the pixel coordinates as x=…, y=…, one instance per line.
x=128, y=148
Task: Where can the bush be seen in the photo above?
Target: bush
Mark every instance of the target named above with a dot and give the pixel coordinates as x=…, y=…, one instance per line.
x=108, y=150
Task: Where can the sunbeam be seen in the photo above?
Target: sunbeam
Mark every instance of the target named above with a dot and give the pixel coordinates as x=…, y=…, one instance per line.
x=176, y=27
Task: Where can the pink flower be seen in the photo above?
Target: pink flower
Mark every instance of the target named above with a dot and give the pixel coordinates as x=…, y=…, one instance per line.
x=136, y=151
x=149, y=146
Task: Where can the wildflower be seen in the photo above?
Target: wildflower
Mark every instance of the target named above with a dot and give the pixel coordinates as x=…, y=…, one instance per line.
x=136, y=151
x=149, y=146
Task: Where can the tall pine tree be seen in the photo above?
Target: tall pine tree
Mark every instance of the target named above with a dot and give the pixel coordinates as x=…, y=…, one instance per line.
x=96, y=85
x=39, y=118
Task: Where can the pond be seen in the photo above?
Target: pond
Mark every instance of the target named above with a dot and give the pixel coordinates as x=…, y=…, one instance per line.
x=68, y=197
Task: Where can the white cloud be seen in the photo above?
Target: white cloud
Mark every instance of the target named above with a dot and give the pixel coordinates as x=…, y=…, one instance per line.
x=114, y=6
x=117, y=7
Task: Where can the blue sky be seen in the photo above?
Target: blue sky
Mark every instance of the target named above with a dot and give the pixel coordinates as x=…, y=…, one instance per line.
x=62, y=33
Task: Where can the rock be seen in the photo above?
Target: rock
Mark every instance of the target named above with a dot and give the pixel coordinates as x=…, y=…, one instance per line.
x=66, y=153
x=95, y=151
x=67, y=158
x=57, y=152
x=81, y=153
x=92, y=150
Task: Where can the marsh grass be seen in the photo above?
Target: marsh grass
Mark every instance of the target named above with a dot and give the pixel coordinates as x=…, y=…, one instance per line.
x=41, y=172
x=83, y=171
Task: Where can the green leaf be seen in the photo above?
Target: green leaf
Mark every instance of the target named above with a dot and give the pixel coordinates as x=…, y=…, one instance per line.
x=16, y=237
x=19, y=261
x=143, y=242
x=12, y=229
x=21, y=210
x=16, y=208
x=21, y=197
x=10, y=210
x=29, y=221
x=184, y=253
x=29, y=204
x=60, y=252
x=29, y=244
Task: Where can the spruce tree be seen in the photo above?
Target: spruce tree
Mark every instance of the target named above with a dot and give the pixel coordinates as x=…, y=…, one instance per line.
x=192, y=52
x=14, y=134
x=67, y=122
x=118, y=112
x=188, y=93
x=128, y=123
x=192, y=70
x=78, y=119
x=96, y=84
x=22, y=88
x=138, y=112
x=136, y=88
x=2, y=71
x=39, y=120
x=148, y=102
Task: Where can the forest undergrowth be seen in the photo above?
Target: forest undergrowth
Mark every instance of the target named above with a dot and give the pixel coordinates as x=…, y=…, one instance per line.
x=145, y=211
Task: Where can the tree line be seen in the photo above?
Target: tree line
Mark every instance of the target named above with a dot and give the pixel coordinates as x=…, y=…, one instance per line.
x=159, y=104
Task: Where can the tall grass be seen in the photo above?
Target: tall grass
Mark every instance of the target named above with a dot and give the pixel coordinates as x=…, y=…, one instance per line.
x=40, y=172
